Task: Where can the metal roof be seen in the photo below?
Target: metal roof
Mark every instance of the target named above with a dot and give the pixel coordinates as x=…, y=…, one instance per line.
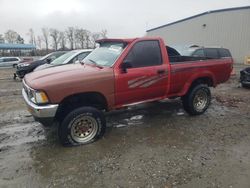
x=198, y=15
x=7, y=46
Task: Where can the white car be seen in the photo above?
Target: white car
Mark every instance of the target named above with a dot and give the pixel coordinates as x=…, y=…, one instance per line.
x=74, y=56
x=9, y=61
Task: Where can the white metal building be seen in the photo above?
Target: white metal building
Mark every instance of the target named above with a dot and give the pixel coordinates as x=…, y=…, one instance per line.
x=228, y=28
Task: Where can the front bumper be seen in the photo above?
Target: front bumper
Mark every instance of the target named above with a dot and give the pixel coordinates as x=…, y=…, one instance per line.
x=40, y=112
x=21, y=72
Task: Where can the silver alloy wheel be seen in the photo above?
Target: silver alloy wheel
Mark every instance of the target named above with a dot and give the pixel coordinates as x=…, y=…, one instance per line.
x=84, y=128
x=200, y=100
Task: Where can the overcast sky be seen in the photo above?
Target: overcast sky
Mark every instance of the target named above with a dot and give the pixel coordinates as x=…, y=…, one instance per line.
x=121, y=18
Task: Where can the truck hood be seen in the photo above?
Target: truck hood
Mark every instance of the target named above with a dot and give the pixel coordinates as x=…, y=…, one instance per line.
x=61, y=76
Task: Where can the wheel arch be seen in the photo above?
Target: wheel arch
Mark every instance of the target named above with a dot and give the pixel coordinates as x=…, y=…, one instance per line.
x=206, y=78
x=92, y=99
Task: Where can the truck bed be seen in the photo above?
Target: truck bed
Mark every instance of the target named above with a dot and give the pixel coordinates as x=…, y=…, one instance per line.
x=175, y=57
x=182, y=72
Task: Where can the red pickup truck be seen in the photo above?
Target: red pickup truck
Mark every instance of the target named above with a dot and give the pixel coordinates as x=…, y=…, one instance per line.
x=119, y=73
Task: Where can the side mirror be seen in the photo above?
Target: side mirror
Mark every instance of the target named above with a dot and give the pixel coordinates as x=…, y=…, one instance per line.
x=48, y=60
x=126, y=65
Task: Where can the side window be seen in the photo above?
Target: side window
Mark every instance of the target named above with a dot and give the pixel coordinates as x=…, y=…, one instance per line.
x=224, y=53
x=199, y=53
x=6, y=59
x=72, y=60
x=144, y=54
x=52, y=58
x=79, y=57
x=58, y=55
x=211, y=53
x=82, y=56
x=10, y=59
x=14, y=59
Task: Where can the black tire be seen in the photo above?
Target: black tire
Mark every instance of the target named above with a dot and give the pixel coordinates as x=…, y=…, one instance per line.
x=194, y=105
x=245, y=85
x=45, y=124
x=77, y=123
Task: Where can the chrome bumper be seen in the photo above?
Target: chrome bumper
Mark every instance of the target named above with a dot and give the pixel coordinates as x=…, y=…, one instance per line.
x=46, y=111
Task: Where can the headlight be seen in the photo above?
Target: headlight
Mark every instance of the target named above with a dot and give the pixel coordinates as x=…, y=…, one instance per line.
x=39, y=97
x=23, y=65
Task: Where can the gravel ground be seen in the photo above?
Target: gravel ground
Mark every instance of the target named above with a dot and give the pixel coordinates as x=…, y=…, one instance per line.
x=151, y=145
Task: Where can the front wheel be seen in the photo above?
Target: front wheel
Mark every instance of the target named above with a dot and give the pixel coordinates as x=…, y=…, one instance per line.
x=81, y=126
x=197, y=100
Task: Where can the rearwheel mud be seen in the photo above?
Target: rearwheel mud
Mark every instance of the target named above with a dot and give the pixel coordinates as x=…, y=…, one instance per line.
x=82, y=126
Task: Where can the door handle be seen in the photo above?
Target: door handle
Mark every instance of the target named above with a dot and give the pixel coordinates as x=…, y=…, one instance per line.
x=161, y=71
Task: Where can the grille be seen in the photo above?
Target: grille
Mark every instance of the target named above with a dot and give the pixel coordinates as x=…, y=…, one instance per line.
x=27, y=90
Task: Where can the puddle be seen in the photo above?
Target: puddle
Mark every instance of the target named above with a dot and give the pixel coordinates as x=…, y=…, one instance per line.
x=137, y=117
x=17, y=134
x=180, y=113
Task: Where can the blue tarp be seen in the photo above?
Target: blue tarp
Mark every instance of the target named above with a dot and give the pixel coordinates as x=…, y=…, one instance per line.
x=6, y=46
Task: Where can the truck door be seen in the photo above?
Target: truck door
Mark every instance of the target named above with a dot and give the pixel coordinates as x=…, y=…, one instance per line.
x=142, y=75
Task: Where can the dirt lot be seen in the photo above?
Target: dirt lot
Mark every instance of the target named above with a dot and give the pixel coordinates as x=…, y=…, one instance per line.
x=152, y=145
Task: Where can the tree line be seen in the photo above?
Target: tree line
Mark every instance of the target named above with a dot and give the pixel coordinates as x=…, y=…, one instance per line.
x=51, y=38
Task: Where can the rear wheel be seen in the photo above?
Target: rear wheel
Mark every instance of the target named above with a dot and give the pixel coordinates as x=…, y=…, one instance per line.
x=197, y=100
x=81, y=126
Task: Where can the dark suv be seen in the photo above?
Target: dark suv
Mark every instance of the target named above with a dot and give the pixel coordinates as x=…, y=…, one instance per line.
x=27, y=67
x=210, y=53
x=195, y=53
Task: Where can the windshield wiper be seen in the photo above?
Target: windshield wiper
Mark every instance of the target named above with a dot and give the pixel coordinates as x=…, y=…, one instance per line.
x=93, y=62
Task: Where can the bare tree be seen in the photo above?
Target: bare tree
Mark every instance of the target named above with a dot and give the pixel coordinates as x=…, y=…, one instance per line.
x=55, y=35
x=88, y=38
x=39, y=42
x=95, y=37
x=19, y=40
x=80, y=36
x=32, y=36
x=45, y=37
x=11, y=36
x=1, y=38
x=104, y=33
x=70, y=33
x=62, y=40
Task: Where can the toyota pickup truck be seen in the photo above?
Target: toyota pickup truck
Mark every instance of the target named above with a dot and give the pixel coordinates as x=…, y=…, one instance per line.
x=117, y=74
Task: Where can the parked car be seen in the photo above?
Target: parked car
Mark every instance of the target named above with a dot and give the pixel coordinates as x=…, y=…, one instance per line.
x=26, y=67
x=73, y=56
x=245, y=77
x=204, y=52
x=120, y=73
x=9, y=61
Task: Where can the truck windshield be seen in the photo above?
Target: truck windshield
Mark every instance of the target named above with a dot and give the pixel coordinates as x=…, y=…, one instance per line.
x=106, y=54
